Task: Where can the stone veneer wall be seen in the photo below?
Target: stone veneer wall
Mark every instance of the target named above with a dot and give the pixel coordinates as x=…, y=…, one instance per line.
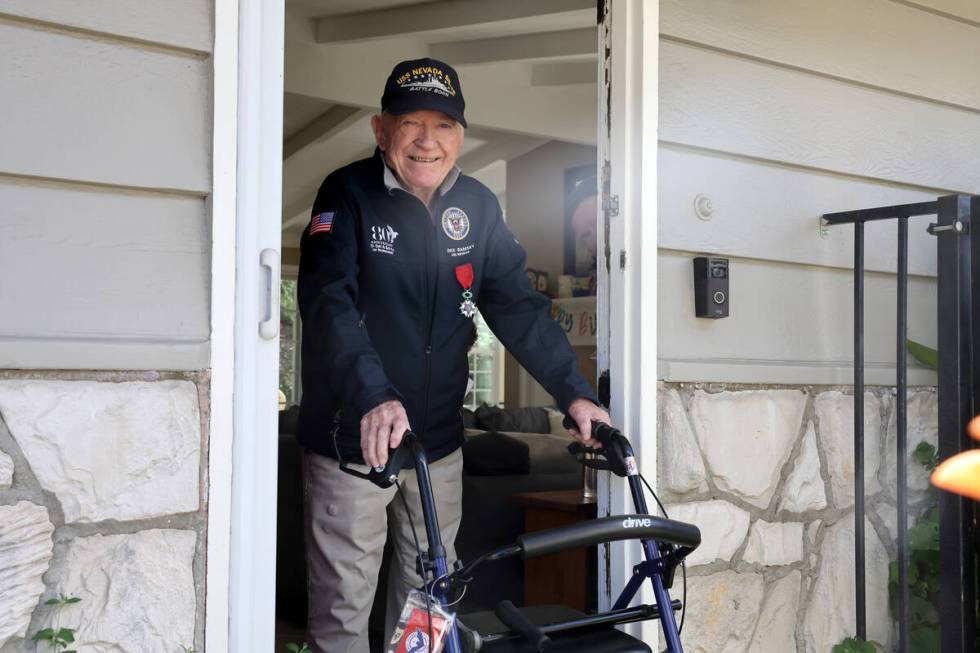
x=102, y=479
x=767, y=474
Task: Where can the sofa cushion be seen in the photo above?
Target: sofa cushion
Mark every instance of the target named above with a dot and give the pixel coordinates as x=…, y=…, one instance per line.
x=548, y=453
x=495, y=454
x=529, y=419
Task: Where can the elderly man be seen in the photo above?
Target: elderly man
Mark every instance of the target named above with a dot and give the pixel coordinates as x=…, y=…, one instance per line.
x=400, y=251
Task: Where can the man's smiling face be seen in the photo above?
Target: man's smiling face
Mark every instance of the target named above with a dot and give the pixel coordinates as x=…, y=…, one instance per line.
x=420, y=147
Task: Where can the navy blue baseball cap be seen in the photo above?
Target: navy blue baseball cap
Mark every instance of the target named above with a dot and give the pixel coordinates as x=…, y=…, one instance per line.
x=420, y=84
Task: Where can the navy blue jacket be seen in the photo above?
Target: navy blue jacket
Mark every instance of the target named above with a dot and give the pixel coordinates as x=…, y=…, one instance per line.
x=380, y=305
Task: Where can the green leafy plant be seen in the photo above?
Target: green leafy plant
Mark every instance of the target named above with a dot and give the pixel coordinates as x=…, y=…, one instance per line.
x=923, y=571
x=923, y=574
x=187, y=649
x=854, y=645
x=296, y=648
x=57, y=638
x=928, y=356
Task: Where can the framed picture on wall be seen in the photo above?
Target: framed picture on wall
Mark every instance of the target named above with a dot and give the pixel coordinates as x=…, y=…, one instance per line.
x=581, y=197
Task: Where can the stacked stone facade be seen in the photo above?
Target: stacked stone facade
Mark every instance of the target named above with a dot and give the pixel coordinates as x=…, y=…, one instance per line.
x=768, y=476
x=101, y=498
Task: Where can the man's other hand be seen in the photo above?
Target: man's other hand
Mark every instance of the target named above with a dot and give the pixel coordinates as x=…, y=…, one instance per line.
x=382, y=429
x=583, y=412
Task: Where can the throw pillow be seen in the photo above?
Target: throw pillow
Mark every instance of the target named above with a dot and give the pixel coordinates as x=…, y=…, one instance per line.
x=529, y=419
x=555, y=418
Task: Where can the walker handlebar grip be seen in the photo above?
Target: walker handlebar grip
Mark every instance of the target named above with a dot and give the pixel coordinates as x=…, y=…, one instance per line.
x=611, y=529
x=385, y=477
x=521, y=625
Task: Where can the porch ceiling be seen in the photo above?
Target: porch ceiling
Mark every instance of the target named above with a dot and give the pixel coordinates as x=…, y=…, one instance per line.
x=528, y=70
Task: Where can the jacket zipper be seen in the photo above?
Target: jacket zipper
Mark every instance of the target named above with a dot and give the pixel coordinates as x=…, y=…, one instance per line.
x=430, y=311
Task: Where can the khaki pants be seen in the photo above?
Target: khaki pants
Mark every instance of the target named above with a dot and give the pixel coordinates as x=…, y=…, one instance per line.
x=346, y=527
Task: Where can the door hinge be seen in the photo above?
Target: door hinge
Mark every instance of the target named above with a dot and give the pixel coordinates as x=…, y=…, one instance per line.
x=610, y=205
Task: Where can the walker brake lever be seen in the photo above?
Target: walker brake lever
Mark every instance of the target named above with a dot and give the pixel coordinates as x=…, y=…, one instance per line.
x=616, y=449
x=589, y=457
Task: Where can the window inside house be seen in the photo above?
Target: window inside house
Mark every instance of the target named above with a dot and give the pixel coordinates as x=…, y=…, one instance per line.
x=289, y=345
x=485, y=368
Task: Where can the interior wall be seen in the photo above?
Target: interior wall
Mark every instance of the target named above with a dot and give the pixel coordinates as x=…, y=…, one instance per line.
x=536, y=215
x=536, y=202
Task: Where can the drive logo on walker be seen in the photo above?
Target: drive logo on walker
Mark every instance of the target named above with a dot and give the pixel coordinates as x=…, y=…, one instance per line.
x=630, y=522
x=383, y=240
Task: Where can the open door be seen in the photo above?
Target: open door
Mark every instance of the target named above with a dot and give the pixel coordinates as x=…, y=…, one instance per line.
x=242, y=546
x=627, y=312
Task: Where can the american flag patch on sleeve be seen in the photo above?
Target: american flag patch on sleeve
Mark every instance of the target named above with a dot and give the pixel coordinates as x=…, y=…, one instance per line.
x=321, y=223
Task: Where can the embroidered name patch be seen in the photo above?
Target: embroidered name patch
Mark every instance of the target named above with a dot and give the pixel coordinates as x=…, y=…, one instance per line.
x=455, y=223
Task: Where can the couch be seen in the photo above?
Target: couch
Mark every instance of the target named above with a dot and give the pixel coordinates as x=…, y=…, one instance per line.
x=497, y=464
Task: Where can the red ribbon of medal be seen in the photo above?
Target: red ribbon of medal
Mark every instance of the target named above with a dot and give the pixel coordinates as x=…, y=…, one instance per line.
x=464, y=275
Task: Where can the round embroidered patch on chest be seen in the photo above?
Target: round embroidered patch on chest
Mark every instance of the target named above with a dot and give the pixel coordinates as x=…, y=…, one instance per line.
x=455, y=223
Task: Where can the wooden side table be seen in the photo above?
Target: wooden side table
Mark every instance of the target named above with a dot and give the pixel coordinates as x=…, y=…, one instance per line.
x=568, y=577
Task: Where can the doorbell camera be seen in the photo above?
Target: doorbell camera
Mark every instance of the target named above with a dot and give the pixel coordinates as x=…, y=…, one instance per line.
x=711, y=287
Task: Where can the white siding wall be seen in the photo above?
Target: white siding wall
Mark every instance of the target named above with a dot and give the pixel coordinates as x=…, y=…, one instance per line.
x=105, y=173
x=779, y=111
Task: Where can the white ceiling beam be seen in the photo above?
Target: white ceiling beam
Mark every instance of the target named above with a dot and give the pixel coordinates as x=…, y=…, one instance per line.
x=298, y=201
x=563, y=74
x=501, y=148
x=565, y=113
x=544, y=45
x=332, y=121
x=298, y=211
x=430, y=17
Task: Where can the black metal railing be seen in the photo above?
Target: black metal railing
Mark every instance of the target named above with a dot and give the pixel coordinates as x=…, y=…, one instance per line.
x=958, y=284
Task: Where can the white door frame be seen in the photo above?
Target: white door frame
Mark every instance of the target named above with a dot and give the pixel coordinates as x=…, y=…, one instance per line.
x=248, y=89
x=243, y=433
x=627, y=337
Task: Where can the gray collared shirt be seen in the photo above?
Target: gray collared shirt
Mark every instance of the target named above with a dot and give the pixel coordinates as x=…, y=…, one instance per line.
x=391, y=181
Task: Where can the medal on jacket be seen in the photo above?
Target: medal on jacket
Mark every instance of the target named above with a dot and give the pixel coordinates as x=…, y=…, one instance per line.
x=464, y=275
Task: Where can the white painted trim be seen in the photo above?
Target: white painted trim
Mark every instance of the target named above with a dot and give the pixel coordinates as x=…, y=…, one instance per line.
x=631, y=334
x=255, y=448
x=221, y=426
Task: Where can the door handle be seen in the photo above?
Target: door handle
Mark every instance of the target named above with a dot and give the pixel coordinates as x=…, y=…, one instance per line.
x=269, y=260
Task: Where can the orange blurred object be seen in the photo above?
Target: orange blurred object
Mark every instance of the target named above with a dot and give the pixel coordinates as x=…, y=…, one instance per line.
x=973, y=428
x=961, y=473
